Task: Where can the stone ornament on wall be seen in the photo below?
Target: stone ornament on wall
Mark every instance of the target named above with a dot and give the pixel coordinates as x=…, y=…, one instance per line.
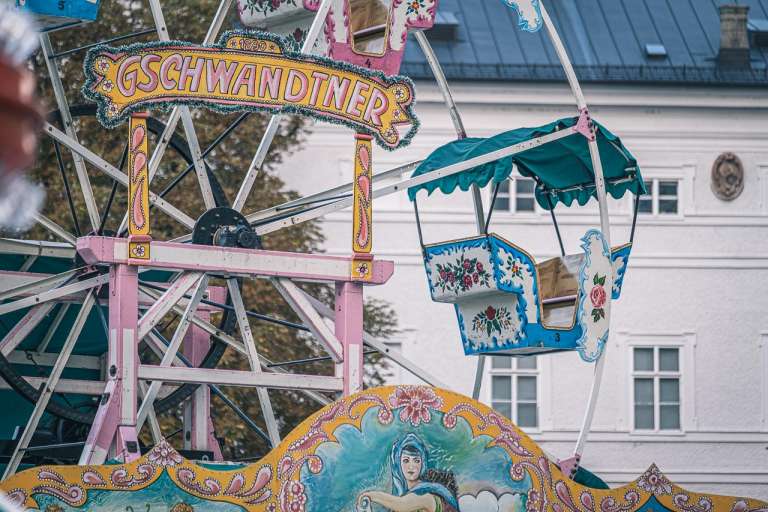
x=727, y=177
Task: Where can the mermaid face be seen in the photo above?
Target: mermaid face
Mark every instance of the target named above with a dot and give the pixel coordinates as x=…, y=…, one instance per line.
x=411, y=464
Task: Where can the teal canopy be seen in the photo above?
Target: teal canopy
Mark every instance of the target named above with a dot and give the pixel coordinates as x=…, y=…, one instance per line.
x=562, y=168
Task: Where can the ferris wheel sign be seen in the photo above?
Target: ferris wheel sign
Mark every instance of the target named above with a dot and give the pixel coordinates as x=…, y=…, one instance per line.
x=249, y=71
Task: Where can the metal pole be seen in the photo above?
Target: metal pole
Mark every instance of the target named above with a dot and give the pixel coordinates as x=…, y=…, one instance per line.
x=50, y=385
x=604, y=223
x=274, y=121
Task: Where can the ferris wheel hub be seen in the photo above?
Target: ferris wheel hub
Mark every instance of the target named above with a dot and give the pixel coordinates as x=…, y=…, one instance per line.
x=225, y=227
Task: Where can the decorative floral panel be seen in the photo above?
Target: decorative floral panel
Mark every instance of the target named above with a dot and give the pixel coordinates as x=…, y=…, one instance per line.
x=516, y=272
x=595, y=277
x=380, y=449
x=489, y=323
x=459, y=269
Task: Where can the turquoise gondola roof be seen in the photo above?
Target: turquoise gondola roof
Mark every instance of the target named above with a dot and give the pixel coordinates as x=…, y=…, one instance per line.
x=562, y=168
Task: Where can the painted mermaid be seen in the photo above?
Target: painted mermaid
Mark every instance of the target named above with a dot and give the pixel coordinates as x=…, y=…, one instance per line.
x=416, y=487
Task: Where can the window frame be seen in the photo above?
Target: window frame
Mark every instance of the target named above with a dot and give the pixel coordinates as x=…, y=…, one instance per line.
x=655, y=197
x=656, y=375
x=512, y=197
x=514, y=373
x=686, y=344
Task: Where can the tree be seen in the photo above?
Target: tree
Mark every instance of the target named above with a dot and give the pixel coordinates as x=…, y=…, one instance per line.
x=189, y=21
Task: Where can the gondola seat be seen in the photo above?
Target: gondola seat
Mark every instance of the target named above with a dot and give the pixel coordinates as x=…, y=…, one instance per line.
x=506, y=303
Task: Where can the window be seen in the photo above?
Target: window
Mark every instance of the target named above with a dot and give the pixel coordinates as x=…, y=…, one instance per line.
x=514, y=389
x=662, y=197
x=656, y=388
x=516, y=195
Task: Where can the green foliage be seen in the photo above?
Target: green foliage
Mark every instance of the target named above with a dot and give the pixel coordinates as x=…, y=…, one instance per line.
x=229, y=161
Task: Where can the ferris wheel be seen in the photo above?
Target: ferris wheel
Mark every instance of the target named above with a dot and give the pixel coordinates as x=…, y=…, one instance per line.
x=88, y=310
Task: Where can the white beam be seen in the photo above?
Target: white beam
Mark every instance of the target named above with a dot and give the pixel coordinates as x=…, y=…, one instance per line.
x=56, y=293
x=240, y=378
x=166, y=302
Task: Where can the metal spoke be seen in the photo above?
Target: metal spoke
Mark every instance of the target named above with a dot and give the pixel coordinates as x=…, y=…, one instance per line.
x=54, y=294
x=274, y=122
x=42, y=284
x=55, y=229
x=23, y=327
x=166, y=302
x=50, y=386
x=170, y=353
x=67, y=191
x=253, y=359
x=69, y=128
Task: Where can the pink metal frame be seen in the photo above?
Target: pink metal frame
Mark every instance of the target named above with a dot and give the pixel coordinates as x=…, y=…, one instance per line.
x=114, y=430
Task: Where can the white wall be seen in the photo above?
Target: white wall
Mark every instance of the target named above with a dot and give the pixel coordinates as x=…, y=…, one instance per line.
x=698, y=279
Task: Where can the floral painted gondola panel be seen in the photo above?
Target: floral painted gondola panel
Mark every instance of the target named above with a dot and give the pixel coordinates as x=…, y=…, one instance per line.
x=595, y=284
x=459, y=269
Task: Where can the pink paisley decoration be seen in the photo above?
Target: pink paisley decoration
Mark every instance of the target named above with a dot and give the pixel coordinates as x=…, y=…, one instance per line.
x=362, y=234
x=416, y=403
x=508, y=437
x=17, y=496
x=683, y=501
x=609, y=504
x=654, y=482
x=284, y=467
x=46, y=474
x=73, y=495
x=257, y=492
x=292, y=497
x=742, y=506
x=534, y=503
x=121, y=478
x=209, y=487
x=163, y=454
x=138, y=206
x=450, y=418
x=139, y=161
x=562, y=492
x=587, y=501
x=288, y=466
x=93, y=478
x=314, y=435
x=365, y=158
x=137, y=137
x=384, y=416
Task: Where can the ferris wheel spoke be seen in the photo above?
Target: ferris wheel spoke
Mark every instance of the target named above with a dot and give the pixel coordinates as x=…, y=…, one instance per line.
x=23, y=327
x=274, y=122
x=61, y=292
x=253, y=359
x=173, y=348
x=50, y=385
x=69, y=128
x=165, y=302
x=55, y=229
x=30, y=285
x=117, y=175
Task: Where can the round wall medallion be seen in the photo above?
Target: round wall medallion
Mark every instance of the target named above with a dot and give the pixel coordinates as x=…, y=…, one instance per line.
x=727, y=177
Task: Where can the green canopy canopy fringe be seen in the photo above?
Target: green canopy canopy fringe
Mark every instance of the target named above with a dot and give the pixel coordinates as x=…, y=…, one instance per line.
x=562, y=168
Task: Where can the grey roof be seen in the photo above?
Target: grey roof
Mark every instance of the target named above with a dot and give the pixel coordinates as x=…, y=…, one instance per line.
x=606, y=40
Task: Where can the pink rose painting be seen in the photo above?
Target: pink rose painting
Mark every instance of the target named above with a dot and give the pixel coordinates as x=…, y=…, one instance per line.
x=598, y=297
x=416, y=403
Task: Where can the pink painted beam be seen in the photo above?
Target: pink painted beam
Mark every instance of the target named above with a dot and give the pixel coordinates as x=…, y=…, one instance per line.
x=349, y=330
x=233, y=261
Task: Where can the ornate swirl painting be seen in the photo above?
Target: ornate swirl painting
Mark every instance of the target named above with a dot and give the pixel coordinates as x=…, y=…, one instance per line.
x=404, y=448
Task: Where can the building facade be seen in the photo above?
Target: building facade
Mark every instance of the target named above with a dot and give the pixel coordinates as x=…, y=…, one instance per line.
x=686, y=381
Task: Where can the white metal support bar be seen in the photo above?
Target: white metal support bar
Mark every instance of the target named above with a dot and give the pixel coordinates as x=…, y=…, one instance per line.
x=23, y=327
x=297, y=299
x=56, y=293
x=604, y=222
x=166, y=302
x=173, y=349
x=50, y=385
x=55, y=228
x=274, y=121
x=253, y=359
x=461, y=133
x=43, y=284
x=154, y=425
x=238, y=378
x=69, y=128
x=404, y=185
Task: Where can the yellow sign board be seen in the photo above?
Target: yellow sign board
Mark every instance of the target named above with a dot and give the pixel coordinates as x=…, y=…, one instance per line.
x=249, y=71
